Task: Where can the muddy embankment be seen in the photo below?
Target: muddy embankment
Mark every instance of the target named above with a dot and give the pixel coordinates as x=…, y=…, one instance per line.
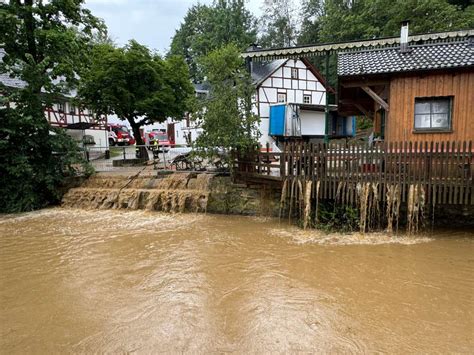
x=178, y=192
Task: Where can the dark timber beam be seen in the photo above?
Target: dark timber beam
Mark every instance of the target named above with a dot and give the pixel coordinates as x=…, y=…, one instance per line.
x=362, y=109
x=376, y=97
x=359, y=83
x=358, y=105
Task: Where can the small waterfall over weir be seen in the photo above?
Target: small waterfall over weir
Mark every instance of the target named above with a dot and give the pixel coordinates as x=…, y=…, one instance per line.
x=378, y=207
x=178, y=192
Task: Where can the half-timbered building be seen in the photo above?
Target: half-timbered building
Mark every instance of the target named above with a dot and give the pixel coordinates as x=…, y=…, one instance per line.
x=298, y=85
x=78, y=122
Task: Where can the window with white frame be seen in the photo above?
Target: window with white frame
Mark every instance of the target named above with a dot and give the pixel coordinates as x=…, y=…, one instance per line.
x=61, y=107
x=306, y=99
x=294, y=73
x=433, y=113
x=72, y=109
x=281, y=97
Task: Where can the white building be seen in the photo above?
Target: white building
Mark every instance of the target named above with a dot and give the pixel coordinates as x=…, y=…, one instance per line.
x=297, y=85
x=78, y=123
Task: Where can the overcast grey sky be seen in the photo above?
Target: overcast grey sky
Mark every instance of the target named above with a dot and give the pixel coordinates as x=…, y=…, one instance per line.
x=150, y=22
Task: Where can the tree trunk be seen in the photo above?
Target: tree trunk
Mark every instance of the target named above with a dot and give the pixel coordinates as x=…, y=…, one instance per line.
x=142, y=152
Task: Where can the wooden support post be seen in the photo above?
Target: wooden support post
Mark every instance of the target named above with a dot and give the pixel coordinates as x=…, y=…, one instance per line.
x=376, y=97
x=326, y=109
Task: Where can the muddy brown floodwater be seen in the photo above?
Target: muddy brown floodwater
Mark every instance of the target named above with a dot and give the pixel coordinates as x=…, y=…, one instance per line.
x=134, y=281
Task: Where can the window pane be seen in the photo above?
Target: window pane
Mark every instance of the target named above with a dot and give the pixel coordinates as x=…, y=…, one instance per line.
x=422, y=107
x=440, y=120
x=440, y=106
x=422, y=121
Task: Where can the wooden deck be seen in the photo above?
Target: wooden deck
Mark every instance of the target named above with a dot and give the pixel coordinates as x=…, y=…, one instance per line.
x=443, y=170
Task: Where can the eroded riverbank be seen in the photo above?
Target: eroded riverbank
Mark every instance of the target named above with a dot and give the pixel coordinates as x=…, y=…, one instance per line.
x=123, y=281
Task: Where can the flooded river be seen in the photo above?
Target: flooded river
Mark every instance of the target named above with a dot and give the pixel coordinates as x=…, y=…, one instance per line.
x=134, y=281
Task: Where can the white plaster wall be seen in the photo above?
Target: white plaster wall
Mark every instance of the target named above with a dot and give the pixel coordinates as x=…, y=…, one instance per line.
x=277, y=82
x=290, y=96
x=270, y=94
x=264, y=110
x=316, y=98
x=264, y=128
x=302, y=74
x=299, y=96
x=311, y=76
x=179, y=132
x=267, y=82
x=312, y=123
x=300, y=64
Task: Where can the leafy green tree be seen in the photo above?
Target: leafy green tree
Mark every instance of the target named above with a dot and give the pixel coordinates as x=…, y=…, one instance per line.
x=366, y=19
x=45, y=43
x=206, y=28
x=311, y=12
x=426, y=16
x=342, y=20
x=226, y=116
x=278, y=24
x=34, y=163
x=136, y=85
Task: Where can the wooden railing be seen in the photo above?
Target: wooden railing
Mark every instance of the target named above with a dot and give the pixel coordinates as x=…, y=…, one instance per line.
x=445, y=170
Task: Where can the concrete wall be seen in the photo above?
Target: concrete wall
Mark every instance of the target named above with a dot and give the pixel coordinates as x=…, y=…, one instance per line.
x=226, y=197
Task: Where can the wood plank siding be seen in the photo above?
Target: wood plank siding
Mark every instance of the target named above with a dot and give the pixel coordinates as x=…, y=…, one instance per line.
x=403, y=91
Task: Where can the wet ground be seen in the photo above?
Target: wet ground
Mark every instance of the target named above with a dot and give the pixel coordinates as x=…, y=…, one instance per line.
x=134, y=281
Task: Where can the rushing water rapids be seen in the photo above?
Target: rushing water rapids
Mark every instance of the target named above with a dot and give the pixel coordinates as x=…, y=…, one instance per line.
x=137, y=281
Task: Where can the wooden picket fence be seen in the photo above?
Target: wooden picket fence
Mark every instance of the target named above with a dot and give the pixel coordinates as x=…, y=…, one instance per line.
x=445, y=170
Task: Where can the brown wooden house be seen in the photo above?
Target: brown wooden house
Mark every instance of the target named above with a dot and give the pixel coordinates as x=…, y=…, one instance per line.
x=420, y=89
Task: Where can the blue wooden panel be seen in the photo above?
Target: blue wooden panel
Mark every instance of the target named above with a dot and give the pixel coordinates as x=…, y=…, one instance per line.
x=277, y=120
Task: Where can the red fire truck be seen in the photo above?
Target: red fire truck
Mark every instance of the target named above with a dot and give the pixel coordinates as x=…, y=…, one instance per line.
x=119, y=135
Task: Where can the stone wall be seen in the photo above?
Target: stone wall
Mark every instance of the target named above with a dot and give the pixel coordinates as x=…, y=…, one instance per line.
x=229, y=198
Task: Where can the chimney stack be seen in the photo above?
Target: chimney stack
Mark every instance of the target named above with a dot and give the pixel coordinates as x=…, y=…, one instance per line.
x=404, y=37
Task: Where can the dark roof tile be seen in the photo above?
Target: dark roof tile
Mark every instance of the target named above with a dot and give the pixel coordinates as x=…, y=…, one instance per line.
x=419, y=57
x=262, y=70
